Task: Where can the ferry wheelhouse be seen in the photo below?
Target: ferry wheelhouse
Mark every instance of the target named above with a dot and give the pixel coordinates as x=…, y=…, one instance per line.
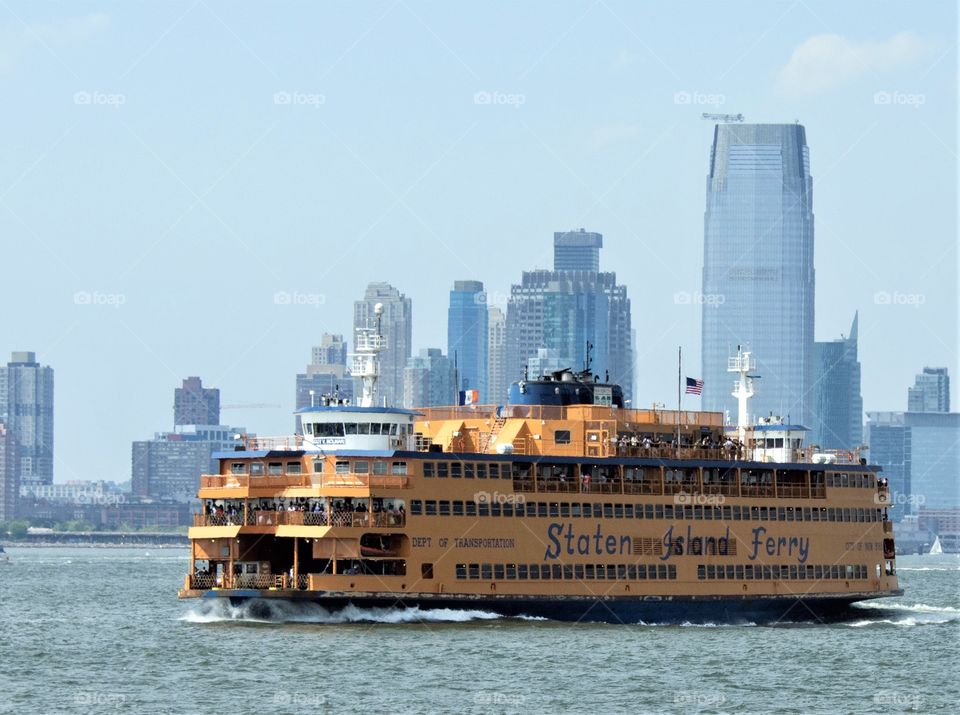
x=563, y=503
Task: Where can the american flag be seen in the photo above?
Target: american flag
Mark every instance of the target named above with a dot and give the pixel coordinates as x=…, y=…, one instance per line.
x=694, y=387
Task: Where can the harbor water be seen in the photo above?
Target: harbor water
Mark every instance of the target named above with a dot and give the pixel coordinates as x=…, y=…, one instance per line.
x=101, y=630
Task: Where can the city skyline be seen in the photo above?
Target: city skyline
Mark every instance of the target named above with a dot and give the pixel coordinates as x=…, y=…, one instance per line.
x=150, y=206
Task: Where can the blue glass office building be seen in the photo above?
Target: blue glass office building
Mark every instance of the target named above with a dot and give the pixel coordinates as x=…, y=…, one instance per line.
x=467, y=337
x=758, y=275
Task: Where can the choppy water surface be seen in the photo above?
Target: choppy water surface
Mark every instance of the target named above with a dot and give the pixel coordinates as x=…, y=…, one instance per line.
x=101, y=630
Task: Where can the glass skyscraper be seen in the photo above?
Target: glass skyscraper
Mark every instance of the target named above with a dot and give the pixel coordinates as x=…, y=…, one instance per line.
x=837, y=403
x=577, y=250
x=563, y=309
x=467, y=336
x=758, y=275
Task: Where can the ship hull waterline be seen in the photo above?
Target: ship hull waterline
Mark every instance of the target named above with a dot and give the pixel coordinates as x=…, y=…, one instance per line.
x=612, y=609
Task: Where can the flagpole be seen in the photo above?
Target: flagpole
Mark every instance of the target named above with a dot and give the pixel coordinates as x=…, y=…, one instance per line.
x=679, y=371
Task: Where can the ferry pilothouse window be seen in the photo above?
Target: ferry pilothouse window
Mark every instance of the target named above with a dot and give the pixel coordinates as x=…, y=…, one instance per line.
x=351, y=427
x=328, y=429
x=561, y=436
x=293, y=467
x=238, y=468
x=318, y=466
x=398, y=468
x=379, y=467
x=256, y=469
x=275, y=468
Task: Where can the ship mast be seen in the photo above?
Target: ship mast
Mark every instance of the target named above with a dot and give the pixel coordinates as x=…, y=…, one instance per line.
x=742, y=364
x=369, y=343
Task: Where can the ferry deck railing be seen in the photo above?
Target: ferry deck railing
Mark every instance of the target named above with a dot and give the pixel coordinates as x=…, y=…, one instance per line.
x=279, y=481
x=269, y=517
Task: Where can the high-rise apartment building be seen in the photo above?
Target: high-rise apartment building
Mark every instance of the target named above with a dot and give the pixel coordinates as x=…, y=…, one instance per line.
x=194, y=404
x=9, y=481
x=930, y=392
x=429, y=380
x=498, y=382
x=29, y=415
x=327, y=374
x=396, y=324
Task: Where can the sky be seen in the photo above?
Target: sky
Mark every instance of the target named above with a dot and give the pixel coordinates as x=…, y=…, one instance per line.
x=203, y=188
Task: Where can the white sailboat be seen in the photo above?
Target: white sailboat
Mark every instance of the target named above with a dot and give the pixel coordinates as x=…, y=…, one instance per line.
x=936, y=548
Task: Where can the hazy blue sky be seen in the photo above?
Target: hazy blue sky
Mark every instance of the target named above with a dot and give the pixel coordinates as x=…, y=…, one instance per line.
x=180, y=163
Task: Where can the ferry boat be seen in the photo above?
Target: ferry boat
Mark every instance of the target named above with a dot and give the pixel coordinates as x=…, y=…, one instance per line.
x=564, y=503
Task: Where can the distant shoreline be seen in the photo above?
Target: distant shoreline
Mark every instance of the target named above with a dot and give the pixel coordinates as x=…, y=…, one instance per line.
x=100, y=539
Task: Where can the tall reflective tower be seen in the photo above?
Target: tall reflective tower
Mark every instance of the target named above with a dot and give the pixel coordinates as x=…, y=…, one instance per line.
x=758, y=276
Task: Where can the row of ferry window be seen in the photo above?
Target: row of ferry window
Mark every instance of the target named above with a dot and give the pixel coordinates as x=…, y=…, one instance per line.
x=524, y=470
x=596, y=510
x=357, y=466
x=566, y=572
x=342, y=429
x=783, y=572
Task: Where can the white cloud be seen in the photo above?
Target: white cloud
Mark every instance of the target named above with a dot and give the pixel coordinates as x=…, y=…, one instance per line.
x=824, y=62
x=15, y=38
